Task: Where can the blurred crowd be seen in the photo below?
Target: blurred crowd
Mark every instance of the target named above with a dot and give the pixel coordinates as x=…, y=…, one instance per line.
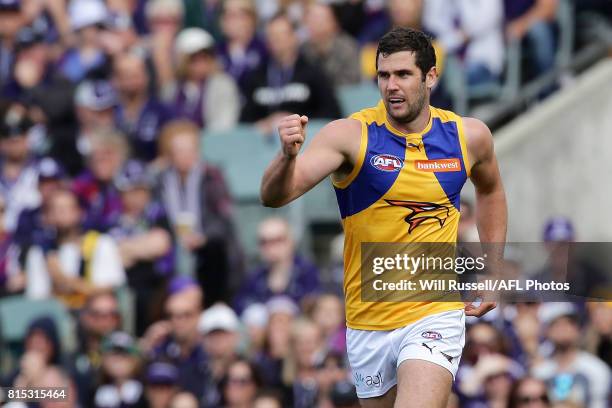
x=103, y=187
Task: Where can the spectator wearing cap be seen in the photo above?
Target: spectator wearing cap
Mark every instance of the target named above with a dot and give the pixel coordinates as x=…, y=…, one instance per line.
x=138, y=114
x=78, y=263
x=564, y=263
x=329, y=46
x=87, y=58
x=161, y=381
x=198, y=90
x=18, y=171
x=571, y=373
x=220, y=330
x=99, y=318
x=11, y=20
x=145, y=242
x=120, y=386
x=95, y=101
x=241, y=384
x=31, y=226
x=532, y=21
x=177, y=340
x=284, y=271
x=241, y=52
x=199, y=207
x=95, y=186
x=287, y=83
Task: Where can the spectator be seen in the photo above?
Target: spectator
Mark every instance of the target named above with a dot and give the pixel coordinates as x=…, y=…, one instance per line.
x=599, y=334
x=570, y=373
x=284, y=271
x=42, y=349
x=282, y=311
x=139, y=115
x=288, y=83
x=242, y=52
x=241, y=384
x=184, y=400
x=220, y=330
x=87, y=58
x=145, y=242
x=268, y=399
x=533, y=21
x=199, y=208
x=178, y=340
x=78, y=263
x=11, y=20
x=200, y=92
x=161, y=384
x=31, y=228
x=331, y=371
x=120, y=368
x=330, y=47
x=54, y=377
x=344, y=395
x=18, y=173
x=477, y=38
x=255, y=320
x=467, y=231
x=10, y=281
x=307, y=348
x=94, y=187
x=95, y=102
x=490, y=381
x=99, y=317
x=328, y=314
x=529, y=392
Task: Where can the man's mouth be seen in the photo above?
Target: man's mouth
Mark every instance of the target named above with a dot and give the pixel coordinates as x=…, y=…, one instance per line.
x=396, y=100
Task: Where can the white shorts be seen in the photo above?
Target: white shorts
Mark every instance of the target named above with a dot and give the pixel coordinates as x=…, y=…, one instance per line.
x=375, y=355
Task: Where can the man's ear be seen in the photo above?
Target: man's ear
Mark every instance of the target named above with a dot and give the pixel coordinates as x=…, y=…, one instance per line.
x=431, y=78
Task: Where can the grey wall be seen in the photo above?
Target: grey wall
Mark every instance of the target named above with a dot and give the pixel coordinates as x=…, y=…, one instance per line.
x=557, y=160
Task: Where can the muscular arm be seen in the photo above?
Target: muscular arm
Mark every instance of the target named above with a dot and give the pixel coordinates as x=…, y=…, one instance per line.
x=491, y=211
x=331, y=151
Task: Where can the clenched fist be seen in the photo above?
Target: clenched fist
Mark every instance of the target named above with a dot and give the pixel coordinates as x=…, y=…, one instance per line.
x=292, y=131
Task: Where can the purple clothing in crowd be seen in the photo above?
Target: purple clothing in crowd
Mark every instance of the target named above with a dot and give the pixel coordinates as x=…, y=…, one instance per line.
x=516, y=8
x=240, y=67
x=188, y=102
x=102, y=202
x=304, y=280
x=143, y=132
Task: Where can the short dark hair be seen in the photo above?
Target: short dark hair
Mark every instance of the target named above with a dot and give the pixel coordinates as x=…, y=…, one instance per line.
x=408, y=39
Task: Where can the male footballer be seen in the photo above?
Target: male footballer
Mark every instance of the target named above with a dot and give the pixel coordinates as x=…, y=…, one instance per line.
x=398, y=169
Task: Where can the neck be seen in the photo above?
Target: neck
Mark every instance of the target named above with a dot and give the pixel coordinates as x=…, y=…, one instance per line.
x=565, y=356
x=417, y=125
x=287, y=60
x=133, y=101
x=70, y=235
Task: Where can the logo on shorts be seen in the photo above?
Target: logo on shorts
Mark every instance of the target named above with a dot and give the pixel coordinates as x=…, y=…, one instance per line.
x=386, y=162
x=431, y=350
x=431, y=335
x=371, y=381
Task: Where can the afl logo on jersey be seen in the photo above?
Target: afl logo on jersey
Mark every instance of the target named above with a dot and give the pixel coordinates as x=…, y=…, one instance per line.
x=386, y=162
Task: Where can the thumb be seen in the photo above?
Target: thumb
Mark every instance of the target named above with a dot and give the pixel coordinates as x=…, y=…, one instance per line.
x=304, y=120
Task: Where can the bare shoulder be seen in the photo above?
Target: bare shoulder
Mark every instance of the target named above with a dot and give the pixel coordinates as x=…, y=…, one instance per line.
x=479, y=139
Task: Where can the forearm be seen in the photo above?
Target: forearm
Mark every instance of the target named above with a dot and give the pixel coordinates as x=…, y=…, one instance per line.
x=149, y=246
x=277, y=186
x=491, y=215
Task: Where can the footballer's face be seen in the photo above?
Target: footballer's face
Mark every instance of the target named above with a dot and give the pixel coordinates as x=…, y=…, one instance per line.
x=403, y=87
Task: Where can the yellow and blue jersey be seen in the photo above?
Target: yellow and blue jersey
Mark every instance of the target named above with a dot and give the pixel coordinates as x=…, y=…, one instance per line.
x=403, y=188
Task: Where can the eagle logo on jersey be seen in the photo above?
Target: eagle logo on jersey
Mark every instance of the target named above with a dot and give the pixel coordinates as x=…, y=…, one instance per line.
x=421, y=212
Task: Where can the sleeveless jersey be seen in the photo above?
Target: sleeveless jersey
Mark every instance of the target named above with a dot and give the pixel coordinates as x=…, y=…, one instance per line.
x=404, y=188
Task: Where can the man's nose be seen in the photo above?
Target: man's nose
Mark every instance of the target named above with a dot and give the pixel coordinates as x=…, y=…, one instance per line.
x=392, y=83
